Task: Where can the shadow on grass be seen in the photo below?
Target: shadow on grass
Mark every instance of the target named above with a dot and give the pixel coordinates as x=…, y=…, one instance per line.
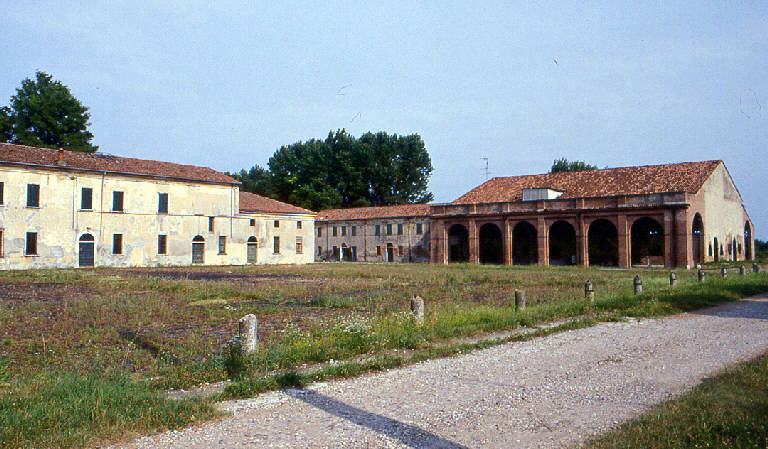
x=408, y=434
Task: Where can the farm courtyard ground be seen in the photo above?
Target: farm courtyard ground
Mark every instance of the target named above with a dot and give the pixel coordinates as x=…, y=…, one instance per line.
x=168, y=328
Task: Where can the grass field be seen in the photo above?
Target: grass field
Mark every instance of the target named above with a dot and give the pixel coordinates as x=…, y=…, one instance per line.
x=115, y=340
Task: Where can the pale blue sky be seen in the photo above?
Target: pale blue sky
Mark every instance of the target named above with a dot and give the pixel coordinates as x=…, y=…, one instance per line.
x=224, y=84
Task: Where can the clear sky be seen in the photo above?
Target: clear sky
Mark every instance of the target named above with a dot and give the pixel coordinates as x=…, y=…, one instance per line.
x=225, y=84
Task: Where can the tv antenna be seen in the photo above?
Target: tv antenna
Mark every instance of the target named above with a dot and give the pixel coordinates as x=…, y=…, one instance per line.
x=487, y=173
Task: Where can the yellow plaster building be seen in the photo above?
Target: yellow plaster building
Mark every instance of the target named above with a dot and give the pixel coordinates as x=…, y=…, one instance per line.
x=67, y=209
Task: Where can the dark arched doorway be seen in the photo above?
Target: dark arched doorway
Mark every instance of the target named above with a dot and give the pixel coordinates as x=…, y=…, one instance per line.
x=491, y=244
x=747, y=241
x=524, y=245
x=717, y=251
x=697, y=239
x=562, y=244
x=647, y=242
x=87, y=250
x=458, y=244
x=603, y=241
x=198, y=250
x=252, y=247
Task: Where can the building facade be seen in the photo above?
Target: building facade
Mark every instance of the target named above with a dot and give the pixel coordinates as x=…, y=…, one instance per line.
x=660, y=215
x=66, y=209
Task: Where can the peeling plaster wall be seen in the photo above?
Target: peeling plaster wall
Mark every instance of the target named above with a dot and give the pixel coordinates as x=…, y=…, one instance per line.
x=415, y=246
x=59, y=221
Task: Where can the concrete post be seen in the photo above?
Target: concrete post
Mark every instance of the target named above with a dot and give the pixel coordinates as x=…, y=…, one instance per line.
x=724, y=272
x=742, y=270
x=638, y=284
x=417, y=307
x=519, y=300
x=755, y=268
x=589, y=291
x=247, y=333
x=702, y=276
x=672, y=279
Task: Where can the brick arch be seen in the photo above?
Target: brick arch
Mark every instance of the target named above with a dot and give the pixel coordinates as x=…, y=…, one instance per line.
x=490, y=242
x=647, y=241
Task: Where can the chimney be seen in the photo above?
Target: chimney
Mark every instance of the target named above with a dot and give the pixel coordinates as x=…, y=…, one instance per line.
x=61, y=162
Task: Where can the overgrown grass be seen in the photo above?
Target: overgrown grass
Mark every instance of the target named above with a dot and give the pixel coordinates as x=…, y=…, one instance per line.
x=729, y=410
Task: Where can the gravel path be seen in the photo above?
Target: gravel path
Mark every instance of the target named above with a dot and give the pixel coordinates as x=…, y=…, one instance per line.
x=549, y=392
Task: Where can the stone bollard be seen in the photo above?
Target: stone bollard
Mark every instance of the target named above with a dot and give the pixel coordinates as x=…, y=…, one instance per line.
x=724, y=272
x=247, y=333
x=698, y=266
x=519, y=300
x=417, y=307
x=742, y=270
x=638, y=283
x=589, y=291
x=702, y=276
x=755, y=268
x=672, y=279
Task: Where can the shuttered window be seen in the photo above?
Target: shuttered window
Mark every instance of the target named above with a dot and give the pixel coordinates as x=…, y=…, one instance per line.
x=162, y=244
x=277, y=245
x=33, y=195
x=117, y=244
x=117, y=201
x=162, y=203
x=31, y=246
x=86, y=198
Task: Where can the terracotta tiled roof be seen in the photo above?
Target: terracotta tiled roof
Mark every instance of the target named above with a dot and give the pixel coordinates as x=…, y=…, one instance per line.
x=682, y=177
x=104, y=162
x=365, y=213
x=250, y=202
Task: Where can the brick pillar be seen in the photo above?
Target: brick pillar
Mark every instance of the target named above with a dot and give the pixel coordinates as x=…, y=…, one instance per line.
x=625, y=251
x=683, y=239
x=582, y=246
x=543, y=241
x=507, y=239
x=669, y=238
x=474, y=252
x=438, y=241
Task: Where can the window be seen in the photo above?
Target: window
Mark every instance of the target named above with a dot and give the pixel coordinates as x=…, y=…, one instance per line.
x=1, y=193
x=389, y=228
x=419, y=229
x=86, y=198
x=343, y=231
x=354, y=231
x=298, y=225
x=319, y=250
x=319, y=232
x=277, y=245
x=252, y=222
x=334, y=231
x=211, y=224
x=31, y=247
x=400, y=251
x=117, y=201
x=277, y=223
x=710, y=250
x=222, y=244
x=378, y=251
x=162, y=244
x=299, y=245
x=1, y=243
x=335, y=252
x=378, y=230
x=33, y=195
x=162, y=203
x=117, y=244
x=399, y=229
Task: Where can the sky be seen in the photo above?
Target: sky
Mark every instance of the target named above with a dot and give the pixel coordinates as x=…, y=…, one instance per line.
x=225, y=84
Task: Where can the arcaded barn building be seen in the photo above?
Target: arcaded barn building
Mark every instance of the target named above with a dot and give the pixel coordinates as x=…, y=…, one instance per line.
x=662, y=215
x=67, y=209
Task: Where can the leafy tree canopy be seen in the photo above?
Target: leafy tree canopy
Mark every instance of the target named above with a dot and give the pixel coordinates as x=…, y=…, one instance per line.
x=761, y=249
x=43, y=113
x=344, y=171
x=560, y=165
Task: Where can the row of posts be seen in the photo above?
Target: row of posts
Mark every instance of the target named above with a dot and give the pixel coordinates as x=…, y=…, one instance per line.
x=247, y=325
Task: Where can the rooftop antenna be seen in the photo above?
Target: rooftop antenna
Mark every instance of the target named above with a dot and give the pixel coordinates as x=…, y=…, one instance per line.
x=487, y=173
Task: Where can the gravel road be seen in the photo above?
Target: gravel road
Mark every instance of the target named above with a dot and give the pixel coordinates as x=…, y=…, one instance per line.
x=549, y=392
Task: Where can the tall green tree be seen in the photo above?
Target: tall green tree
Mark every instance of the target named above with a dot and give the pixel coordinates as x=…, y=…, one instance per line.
x=563, y=164
x=44, y=113
x=344, y=171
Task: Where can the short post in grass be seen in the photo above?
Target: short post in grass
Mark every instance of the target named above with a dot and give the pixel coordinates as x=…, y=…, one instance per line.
x=589, y=291
x=755, y=268
x=417, y=308
x=742, y=270
x=672, y=279
x=247, y=333
x=724, y=272
x=638, y=284
x=519, y=300
x=702, y=276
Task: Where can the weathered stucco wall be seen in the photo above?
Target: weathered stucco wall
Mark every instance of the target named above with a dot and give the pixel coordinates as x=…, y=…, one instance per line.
x=60, y=222
x=409, y=246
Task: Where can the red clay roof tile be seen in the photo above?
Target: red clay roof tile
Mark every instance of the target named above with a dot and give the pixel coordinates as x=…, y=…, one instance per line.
x=105, y=162
x=251, y=202
x=366, y=213
x=682, y=177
